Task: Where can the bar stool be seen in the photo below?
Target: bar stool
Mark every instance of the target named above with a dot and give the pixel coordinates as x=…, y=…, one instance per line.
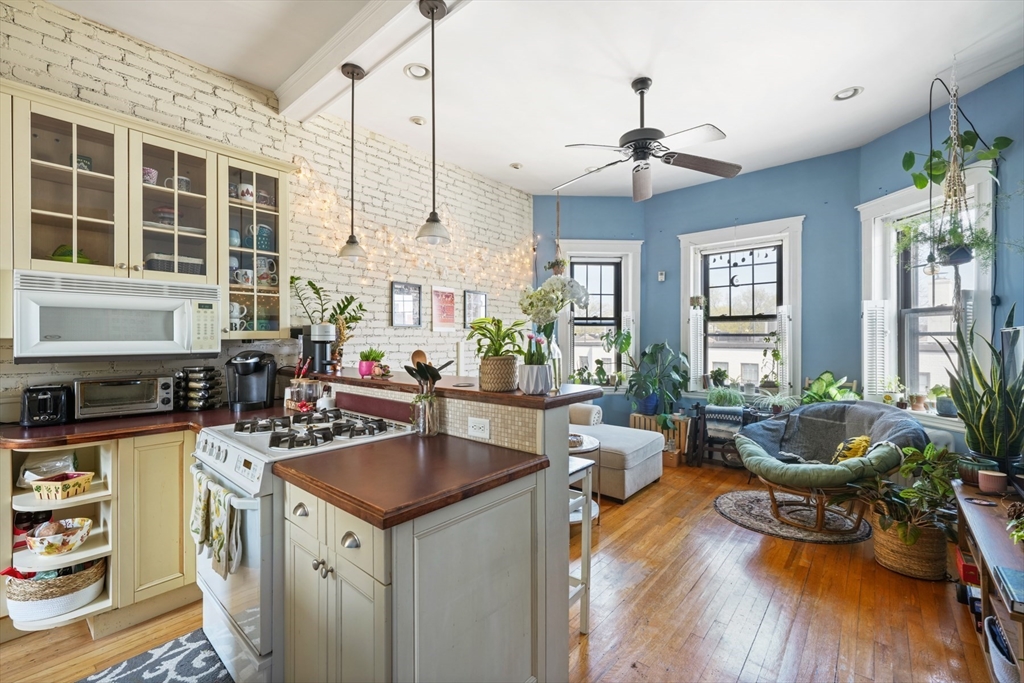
x=581, y=470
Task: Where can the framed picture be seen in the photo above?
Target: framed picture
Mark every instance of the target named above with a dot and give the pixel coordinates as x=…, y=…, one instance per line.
x=474, y=306
x=443, y=308
x=405, y=305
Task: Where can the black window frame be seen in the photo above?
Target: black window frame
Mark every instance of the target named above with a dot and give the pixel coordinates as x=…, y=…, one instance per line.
x=616, y=321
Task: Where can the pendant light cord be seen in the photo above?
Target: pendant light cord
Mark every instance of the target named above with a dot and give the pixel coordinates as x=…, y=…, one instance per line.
x=352, y=166
x=433, y=120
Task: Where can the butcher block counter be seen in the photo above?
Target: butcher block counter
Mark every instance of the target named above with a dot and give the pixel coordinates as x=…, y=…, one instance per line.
x=392, y=481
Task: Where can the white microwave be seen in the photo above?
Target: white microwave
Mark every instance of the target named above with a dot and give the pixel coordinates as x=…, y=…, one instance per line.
x=79, y=317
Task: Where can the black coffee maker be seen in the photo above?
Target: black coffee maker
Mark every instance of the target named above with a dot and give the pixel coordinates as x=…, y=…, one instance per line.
x=251, y=380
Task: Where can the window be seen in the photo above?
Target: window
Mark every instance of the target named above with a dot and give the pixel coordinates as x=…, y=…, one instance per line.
x=603, y=281
x=743, y=289
x=749, y=279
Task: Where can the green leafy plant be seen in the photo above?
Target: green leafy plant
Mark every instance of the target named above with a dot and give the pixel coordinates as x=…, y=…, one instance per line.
x=376, y=355
x=345, y=315
x=659, y=371
x=780, y=400
x=938, y=390
x=969, y=148
x=494, y=338
x=825, y=388
x=989, y=406
x=556, y=263
x=771, y=357
x=724, y=396
x=314, y=302
x=719, y=376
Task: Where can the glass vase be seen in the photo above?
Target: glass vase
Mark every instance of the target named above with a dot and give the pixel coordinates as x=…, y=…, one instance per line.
x=425, y=415
x=555, y=361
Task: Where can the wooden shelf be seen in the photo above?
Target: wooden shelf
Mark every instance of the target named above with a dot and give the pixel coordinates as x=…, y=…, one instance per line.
x=101, y=604
x=263, y=208
x=99, y=491
x=96, y=546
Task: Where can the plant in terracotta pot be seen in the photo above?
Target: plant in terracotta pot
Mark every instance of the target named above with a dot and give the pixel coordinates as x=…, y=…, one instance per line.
x=917, y=402
x=777, y=403
x=498, y=346
x=535, y=376
x=989, y=405
x=368, y=359
x=556, y=266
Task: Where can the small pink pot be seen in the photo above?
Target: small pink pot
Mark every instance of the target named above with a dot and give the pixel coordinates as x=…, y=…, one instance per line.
x=991, y=482
x=366, y=368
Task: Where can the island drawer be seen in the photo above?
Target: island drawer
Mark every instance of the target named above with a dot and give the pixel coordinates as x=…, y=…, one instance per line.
x=305, y=511
x=356, y=541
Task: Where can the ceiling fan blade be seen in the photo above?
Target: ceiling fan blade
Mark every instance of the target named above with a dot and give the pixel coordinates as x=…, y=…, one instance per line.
x=586, y=146
x=596, y=170
x=695, y=136
x=723, y=169
x=642, y=188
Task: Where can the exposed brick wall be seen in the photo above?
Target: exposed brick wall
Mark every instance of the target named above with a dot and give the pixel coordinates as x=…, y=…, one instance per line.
x=491, y=224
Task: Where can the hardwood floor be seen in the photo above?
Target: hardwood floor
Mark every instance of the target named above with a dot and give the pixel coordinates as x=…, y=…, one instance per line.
x=679, y=594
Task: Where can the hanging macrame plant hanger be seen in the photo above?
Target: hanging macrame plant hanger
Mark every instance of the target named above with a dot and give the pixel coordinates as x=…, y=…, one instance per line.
x=558, y=265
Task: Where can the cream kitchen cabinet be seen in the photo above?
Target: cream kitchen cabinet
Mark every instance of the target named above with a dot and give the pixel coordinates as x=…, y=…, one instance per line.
x=6, y=221
x=155, y=554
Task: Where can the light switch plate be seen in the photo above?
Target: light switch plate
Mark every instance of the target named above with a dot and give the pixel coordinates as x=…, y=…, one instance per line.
x=661, y=276
x=479, y=428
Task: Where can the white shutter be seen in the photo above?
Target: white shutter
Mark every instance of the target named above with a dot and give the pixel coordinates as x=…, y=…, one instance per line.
x=968, y=298
x=876, y=361
x=784, y=329
x=696, y=348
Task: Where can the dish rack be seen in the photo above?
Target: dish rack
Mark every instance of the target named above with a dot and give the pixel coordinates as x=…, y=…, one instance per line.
x=164, y=263
x=198, y=388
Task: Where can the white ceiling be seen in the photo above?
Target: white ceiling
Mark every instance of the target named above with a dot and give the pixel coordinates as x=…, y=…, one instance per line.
x=517, y=81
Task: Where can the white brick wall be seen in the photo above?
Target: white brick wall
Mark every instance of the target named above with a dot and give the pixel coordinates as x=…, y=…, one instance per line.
x=491, y=224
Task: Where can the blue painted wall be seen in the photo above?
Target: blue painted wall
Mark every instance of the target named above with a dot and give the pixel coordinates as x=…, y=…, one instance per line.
x=825, y=190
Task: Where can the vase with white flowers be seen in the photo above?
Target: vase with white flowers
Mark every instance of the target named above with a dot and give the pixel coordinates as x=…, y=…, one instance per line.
x=535, y=375
x=543, y=305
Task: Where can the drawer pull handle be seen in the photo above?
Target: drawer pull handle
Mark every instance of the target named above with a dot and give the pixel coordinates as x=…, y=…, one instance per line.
x=324, y=571
x=317, y=564
x=301, y=510
x=350, y=541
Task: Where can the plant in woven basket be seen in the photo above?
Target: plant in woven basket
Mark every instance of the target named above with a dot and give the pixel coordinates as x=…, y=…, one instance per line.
x=494, y=338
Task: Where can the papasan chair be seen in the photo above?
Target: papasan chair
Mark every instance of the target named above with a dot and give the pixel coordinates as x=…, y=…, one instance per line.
x=793, y=453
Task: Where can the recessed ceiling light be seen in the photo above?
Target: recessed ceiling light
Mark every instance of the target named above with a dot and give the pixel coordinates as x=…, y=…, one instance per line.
x=418, y=120
x=417, y=72
x=848, y=93
x=516, y=165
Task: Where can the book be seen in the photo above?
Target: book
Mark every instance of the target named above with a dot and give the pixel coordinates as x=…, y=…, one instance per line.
x=1011, y=583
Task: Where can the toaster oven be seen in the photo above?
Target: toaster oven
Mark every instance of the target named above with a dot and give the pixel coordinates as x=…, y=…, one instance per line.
x=116, y=396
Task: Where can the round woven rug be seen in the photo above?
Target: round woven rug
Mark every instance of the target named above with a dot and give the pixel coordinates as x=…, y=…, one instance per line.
x=753, y=510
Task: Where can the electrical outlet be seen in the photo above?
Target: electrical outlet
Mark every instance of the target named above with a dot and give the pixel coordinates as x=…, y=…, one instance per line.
x=479, y=428
x=661, y=276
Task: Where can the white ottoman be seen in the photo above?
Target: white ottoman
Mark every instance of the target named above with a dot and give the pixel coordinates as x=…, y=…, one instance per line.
x=630, y=459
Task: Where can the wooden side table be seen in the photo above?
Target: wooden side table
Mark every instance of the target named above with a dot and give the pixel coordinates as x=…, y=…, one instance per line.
x=581, y=470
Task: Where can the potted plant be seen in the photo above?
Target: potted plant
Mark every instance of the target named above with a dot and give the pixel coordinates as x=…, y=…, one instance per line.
x=894, y=390
x=944, y=405
x=542, y=306
x=345, y=315
x=771, y=357
x=826, y=387
x=988, y=405
x=777, y=403
x=917, y=402
x=724, y=396
x=556, y=266
x=368, y=359
x=535, y=376
x=498, y=346
x=658, y=379
x=719, y=377
x=424, y=404
x=912, y=524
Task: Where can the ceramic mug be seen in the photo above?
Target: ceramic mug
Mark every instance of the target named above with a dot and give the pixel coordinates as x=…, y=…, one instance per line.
x=237, y=310
x=149, y=175
x=265, y=265
x=263, y=197
x=182, y=183
x=263, y=235
x=243, y=276
x=234, y=238
x=233, y=190
x=239, y=324
x=246, y=192
x=233, y=262
x=263, y=325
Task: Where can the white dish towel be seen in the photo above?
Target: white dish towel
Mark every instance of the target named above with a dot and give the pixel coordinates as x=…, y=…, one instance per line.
x=225, y=541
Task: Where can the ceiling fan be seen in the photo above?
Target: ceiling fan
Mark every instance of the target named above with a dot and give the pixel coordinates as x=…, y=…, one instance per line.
x=641, y=144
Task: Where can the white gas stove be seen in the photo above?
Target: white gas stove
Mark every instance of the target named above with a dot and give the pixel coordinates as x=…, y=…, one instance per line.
x=243, y=452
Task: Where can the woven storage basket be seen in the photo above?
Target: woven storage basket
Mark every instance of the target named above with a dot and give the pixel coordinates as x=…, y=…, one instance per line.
x=926, y=559
x=34, y=600
x=498, y=373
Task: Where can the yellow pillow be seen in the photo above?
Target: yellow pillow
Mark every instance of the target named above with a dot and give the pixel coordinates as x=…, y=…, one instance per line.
x=853, y=447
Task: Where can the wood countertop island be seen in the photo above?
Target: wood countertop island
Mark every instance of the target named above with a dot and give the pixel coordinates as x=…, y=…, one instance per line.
x=392, y=481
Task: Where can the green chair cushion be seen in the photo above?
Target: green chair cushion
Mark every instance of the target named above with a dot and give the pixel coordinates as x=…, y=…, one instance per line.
x=879, y=459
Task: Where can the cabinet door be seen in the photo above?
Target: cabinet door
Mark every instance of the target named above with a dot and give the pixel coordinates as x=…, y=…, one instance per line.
x=253, y=249
x=357, y=622
x=6, y=221
x=173, y=226
x=155, y=551
x=305, y=600
x=70, y=181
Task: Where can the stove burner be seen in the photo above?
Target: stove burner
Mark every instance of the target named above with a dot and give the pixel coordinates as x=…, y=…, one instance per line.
x=367, y=427
x=318, y=417
x=293, y=440
x=263, y=426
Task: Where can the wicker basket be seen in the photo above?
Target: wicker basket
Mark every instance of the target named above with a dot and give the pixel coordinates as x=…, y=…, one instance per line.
x=498, y=373
x=165, y=264
x=34, y=600
x=926, y=559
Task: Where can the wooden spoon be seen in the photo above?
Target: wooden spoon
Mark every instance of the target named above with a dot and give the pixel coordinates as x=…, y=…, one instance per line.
x=419, y=357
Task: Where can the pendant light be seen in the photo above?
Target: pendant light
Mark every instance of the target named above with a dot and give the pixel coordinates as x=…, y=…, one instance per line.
x=352, y=251
x=433, y=232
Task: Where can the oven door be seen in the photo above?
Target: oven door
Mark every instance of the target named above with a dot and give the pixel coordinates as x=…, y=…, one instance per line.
x=245, y=597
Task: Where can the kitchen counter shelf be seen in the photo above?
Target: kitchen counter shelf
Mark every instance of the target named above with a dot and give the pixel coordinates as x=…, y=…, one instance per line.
x=101, y=604
x=96, y=546
x=99, y=491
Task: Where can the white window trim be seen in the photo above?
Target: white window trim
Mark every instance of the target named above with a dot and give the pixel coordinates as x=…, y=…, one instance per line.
x=879, y=263
x=629, y=252
x=787, y=230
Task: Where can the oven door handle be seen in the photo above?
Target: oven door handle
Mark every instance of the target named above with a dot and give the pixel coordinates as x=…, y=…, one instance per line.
x=236, y=502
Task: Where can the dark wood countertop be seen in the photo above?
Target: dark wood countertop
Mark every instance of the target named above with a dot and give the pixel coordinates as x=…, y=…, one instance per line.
x=401, y=381
x=988, y=526
x=389, y=482
x=90, y=431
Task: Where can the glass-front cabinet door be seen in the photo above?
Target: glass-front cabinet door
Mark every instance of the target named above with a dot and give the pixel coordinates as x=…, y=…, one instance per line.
x=71, y=195
x=173, y=212
x=253, y=250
